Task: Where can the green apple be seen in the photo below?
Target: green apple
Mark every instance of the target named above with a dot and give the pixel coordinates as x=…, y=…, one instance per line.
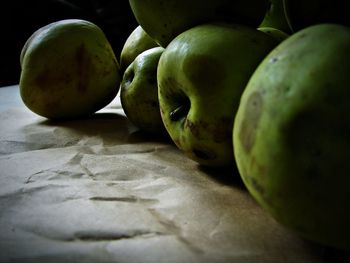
x=291, y=134
x=278, y=34
x=275, y=17
x=139, y=92
x=137, y=42
x=201, y=76
x=164, y=20
x=301, y=14
x=68, y=70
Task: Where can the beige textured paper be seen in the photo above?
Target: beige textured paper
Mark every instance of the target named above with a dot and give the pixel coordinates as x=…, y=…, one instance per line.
x=97, y=190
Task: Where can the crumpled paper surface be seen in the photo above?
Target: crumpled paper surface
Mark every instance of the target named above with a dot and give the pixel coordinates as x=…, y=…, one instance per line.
x=98, y=190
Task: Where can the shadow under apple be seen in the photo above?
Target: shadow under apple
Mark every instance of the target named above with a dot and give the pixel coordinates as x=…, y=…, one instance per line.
x=226, y=175
x=109, y=128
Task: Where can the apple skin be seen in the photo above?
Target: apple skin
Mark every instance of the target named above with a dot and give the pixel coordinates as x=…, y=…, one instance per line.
x=301, y=14
x=291, y=134
x=68, y=70
x=201, y=76
x=275, y=17
x=139, y=92
x=137, y=42
x=164, y=20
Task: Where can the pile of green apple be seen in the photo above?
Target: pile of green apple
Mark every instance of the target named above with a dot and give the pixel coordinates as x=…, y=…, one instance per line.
x=257, y=84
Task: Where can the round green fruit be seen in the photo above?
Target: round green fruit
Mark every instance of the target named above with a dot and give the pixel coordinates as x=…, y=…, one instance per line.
x=137, y=42
x=201, y=76
x=139, y=92
x=69, y=70
x=291, y=134
x=164, y=20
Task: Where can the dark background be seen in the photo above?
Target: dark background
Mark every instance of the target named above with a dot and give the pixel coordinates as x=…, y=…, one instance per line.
x=20, y=18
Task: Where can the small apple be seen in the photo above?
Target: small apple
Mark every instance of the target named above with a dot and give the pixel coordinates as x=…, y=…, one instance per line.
x=164, y=20
x=291, y=134
x=68, y=70
x=139, y=92
x=275, y=17
x=201, y=76
x=137, y=42
x=301, y=14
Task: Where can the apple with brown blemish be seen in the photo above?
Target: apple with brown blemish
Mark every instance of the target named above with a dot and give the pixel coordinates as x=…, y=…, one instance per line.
x=291, y=134
x=69, y=70
x=201, y=76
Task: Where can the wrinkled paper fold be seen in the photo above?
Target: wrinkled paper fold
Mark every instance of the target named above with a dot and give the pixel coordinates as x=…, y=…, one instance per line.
x=98, y=190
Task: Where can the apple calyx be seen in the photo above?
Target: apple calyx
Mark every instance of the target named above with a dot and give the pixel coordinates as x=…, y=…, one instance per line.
x=129, y=77
x=179, y=112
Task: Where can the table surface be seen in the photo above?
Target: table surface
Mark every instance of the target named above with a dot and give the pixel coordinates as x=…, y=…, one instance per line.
x=98, y=190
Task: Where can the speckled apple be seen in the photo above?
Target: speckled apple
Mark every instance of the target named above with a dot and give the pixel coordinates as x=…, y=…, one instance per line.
x=201, y=76
x=291, y=134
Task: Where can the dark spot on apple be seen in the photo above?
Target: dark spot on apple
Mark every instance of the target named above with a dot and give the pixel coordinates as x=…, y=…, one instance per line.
x=273, y=60
x=256, y=185
x=203, y=154
x=250, y=120
x=48, y=79
x=83, y=61
x=221, y=130
x=193, y=127
x=196, y=128
x=203, y=124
